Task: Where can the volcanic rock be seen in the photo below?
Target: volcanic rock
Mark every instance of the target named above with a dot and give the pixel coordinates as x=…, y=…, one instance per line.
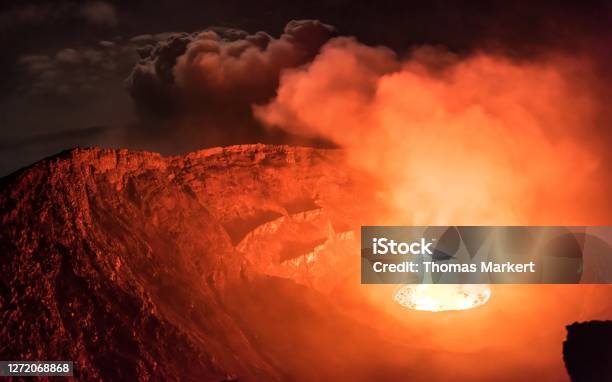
x=237, y=263
x=137, y=266
x=587, y=351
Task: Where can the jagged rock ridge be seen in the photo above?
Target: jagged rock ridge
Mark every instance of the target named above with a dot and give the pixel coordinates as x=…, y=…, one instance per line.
x=228, y=263
x=134, y=265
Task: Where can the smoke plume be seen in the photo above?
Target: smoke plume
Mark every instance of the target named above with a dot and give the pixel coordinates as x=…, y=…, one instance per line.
x=202, y=85
x=482, y=139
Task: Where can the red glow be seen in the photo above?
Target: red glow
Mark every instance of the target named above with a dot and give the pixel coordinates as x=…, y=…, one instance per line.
x=477, y=141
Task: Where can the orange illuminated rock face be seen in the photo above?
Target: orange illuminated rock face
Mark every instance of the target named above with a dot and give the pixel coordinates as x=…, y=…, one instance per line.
x=133, y=264
x=239, y=262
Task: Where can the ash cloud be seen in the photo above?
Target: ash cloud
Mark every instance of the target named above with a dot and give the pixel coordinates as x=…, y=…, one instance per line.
x=474, y=139
x=195, y=90
x=72, y=70
x=97, y=13
x=198, y=87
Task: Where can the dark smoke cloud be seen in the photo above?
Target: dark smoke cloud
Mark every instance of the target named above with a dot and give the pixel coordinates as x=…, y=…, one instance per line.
x=64, y=62
x=59, y=94
x=83, y=70
x=199, y=87
x=97, y=13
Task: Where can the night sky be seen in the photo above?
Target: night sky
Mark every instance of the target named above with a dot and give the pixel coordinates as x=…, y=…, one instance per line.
x=64, y=64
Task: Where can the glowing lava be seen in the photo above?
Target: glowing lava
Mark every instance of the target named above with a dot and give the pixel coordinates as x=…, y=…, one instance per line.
x=439, y=298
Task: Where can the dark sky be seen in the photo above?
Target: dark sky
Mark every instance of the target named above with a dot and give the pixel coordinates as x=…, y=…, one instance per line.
x=64, y=63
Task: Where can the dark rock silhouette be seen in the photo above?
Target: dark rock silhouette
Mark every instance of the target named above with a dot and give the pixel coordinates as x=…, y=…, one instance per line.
x=587, y=351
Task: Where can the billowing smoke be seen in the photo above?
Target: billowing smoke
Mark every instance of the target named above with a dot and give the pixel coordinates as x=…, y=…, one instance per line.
x=475, y=140
x=201, y=86
x=472, y=139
